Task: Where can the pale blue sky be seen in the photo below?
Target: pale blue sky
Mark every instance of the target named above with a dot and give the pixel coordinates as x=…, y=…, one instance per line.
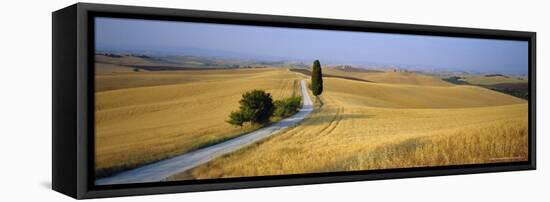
x=346, y=47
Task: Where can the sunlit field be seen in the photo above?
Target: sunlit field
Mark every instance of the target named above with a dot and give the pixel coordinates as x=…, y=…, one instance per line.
x=143, y=117
x=364, y=125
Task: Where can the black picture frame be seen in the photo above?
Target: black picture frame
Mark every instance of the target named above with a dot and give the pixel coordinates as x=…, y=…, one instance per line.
x=73, y=100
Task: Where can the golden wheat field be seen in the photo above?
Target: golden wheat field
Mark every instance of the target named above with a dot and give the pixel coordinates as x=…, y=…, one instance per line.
x=151, y=115
x=366, y=125
x=397, y=120
x=390, y=77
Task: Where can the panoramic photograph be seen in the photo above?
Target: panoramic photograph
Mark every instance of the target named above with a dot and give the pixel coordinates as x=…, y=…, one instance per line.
x=184, y=101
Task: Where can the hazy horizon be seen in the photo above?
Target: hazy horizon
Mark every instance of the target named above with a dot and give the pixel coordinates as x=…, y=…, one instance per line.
x=346, y=47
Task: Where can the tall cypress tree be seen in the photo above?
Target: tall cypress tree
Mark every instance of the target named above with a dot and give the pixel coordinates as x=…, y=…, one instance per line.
x=316, y=78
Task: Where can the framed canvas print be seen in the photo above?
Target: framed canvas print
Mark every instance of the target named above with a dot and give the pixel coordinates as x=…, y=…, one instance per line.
x=155, y=100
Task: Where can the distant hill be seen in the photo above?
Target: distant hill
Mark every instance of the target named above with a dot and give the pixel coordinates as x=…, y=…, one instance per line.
x=417, y=96
x=390, y=77
x=515, y=86
x=186, y=62
x=349, y=68
x=496, y=75
x=308, y=73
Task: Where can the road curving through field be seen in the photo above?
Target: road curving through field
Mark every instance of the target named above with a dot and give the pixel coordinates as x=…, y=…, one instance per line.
x=163, y=169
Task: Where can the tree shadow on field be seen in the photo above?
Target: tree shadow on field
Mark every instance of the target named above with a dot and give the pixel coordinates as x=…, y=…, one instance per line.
x=327, y=119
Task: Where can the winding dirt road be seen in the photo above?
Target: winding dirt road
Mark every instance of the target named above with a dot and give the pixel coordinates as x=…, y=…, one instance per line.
x=160, y=170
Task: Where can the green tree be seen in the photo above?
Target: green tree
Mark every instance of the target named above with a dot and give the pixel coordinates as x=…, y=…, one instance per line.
x=256, y=106
x=236, y=118
x=316, y=78
x=287, y=107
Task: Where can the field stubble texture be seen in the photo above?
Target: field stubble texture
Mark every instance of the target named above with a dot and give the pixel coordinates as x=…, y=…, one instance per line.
x=155, y=120
x=395, y=120
x=364, y=126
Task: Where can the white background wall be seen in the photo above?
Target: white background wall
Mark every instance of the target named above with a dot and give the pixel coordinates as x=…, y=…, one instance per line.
x=25, y=89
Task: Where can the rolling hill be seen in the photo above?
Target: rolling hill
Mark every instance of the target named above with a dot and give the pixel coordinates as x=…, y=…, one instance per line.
x=363, y=120
x=362, y=126
x=142, y=117
x=389, y=77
